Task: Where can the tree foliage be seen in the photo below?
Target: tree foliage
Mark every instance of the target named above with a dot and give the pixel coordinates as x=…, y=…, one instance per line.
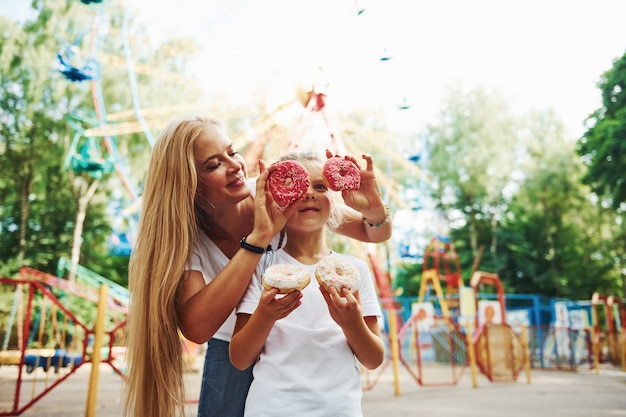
x=35, y=215
x=517, y=185
x=42, y=112
x=473, y=153
x=603, y=146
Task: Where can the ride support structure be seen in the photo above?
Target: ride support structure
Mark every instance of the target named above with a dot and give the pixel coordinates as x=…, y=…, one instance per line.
x=608, y=342
x=54, y=327
x=500, y=352
x=442, y=265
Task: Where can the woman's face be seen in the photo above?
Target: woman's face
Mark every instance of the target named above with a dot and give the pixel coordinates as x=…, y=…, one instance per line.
x=221, y=170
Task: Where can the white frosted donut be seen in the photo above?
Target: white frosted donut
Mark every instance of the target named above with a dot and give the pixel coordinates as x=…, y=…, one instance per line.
x=341, y=174
x=338, y=272
x=286, y=278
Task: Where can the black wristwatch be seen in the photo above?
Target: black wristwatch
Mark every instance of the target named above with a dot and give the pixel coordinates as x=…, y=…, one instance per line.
x=251, y=248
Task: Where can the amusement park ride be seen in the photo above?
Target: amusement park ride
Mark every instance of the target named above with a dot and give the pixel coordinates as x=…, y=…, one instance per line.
x=443, y=334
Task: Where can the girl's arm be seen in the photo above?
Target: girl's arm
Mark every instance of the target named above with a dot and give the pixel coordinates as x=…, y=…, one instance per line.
x=251, y=331
x=362, y=333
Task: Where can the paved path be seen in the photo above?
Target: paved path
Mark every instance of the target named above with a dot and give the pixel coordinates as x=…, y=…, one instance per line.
x=550, y=393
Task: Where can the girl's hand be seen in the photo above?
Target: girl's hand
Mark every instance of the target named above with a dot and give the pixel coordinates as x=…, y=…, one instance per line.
x=273, y=307
x=343, y=306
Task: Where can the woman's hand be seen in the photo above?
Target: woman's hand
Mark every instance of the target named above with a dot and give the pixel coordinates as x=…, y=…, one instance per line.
x=367, y=199
x=269, y=217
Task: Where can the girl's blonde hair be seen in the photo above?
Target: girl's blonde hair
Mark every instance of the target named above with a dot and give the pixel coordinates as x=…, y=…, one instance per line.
x=167, y=232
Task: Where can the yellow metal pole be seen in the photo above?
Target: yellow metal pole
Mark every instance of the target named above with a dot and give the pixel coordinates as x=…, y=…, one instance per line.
x=92, y=393
x=526, y=352
x=395, y=353
x=472, y=354
x=623, y=349
x=594, y=337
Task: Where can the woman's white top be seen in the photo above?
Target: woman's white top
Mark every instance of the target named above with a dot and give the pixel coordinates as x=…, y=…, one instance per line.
x=210, y=261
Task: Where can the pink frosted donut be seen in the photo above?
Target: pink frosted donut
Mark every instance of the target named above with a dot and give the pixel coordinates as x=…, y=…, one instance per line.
x=288, y=182
x=341, y=174
x=338, y=272
x=286, y=278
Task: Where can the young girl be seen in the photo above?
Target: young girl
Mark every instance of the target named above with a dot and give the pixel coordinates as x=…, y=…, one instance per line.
x=306, y=346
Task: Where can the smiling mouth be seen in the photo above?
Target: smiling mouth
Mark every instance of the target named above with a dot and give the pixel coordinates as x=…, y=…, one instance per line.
x=237, y=182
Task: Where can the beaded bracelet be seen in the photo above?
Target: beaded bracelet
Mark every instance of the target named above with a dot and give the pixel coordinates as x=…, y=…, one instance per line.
x=381, y=224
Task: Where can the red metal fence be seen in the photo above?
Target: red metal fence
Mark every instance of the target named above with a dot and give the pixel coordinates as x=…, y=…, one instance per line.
x=47, y=332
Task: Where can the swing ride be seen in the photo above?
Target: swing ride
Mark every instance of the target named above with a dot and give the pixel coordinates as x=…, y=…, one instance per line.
x=94, y=148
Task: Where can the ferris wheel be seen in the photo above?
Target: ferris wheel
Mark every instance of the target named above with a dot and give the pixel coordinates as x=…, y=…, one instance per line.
x=94, y=150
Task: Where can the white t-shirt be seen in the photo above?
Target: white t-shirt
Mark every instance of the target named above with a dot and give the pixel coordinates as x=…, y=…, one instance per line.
x=307, y=368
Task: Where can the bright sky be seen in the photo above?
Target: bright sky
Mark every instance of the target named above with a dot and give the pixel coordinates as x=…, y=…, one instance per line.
x=538, y=53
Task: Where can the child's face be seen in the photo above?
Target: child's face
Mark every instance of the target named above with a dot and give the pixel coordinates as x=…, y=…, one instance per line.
x=315, y=208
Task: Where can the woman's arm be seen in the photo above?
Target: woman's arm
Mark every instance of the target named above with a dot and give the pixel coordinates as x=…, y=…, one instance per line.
x=358, y=225
x=202, y=308
x=362, y=333
x=367, y=217
x=251, y=331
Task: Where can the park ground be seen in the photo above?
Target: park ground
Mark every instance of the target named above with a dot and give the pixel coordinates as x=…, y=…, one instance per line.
x=581, y=393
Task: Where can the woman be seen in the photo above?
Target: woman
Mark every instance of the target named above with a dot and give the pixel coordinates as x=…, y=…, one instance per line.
x=197, y=247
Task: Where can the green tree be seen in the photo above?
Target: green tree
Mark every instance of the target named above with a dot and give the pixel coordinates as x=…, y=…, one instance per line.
x=513, y=186
x=603, y=149
x=31, y=132
x=548, y=242
x=42, y=191
x=472, y=157
x=603, y=145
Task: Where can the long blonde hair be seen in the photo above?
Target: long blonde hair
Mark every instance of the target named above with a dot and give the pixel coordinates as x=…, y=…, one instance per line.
x=167, y=232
